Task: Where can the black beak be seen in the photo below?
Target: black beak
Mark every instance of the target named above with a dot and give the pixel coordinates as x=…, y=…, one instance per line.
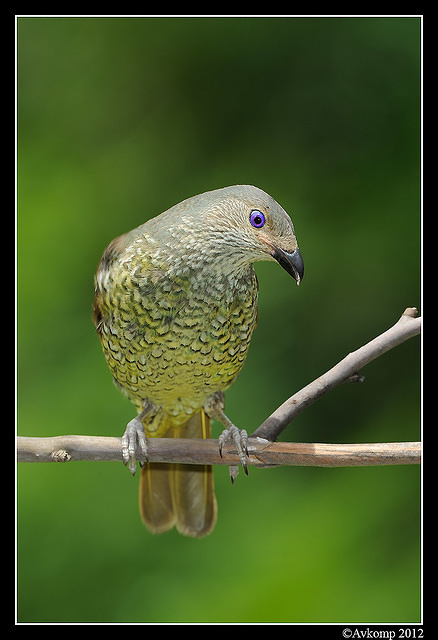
x=291, y=262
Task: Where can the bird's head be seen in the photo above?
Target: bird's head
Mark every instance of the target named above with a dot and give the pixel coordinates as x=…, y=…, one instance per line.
x=248, y=225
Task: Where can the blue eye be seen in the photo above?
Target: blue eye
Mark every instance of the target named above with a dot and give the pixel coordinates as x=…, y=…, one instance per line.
x=256, y=218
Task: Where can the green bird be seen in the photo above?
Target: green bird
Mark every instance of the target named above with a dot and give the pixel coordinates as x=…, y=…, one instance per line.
x=175, y=307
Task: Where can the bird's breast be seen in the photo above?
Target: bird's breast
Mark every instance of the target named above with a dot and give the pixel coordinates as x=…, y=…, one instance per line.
x=175, y=341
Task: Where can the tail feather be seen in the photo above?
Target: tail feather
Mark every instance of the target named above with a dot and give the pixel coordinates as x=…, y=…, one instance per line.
x=155, y=497
x=180, y=494
x=193, y=498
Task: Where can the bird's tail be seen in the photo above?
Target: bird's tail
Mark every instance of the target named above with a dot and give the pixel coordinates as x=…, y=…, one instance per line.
x=180, y=494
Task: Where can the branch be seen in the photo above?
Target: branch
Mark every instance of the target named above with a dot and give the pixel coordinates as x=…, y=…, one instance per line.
x=345, y=371
x=262, y=448
x=261, y=452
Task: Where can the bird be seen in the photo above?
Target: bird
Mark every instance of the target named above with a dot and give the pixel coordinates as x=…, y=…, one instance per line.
x=175, y=306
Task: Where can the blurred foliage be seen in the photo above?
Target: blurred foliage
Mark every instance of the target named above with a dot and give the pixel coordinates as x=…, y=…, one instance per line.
x=120, y=118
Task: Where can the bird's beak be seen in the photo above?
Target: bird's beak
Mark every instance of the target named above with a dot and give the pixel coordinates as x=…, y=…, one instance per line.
x=292, y=262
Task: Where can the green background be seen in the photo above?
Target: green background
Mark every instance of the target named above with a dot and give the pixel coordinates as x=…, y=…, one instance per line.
x=120, y=118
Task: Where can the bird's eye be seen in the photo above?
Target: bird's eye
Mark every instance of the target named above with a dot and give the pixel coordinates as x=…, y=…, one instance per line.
x=256, y=218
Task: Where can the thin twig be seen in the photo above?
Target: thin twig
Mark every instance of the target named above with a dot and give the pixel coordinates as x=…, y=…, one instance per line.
x=261, y=452
x=346, y=370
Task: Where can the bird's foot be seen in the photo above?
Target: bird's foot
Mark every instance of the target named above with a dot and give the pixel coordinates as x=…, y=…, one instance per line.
x=214, y=408
x=133, y=437
x=240, y=438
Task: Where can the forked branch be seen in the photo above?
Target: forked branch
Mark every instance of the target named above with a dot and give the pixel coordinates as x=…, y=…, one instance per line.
x=263, y=450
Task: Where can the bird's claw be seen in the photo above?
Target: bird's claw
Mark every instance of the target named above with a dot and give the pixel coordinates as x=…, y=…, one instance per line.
x=133, y=437
x=240, y=439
